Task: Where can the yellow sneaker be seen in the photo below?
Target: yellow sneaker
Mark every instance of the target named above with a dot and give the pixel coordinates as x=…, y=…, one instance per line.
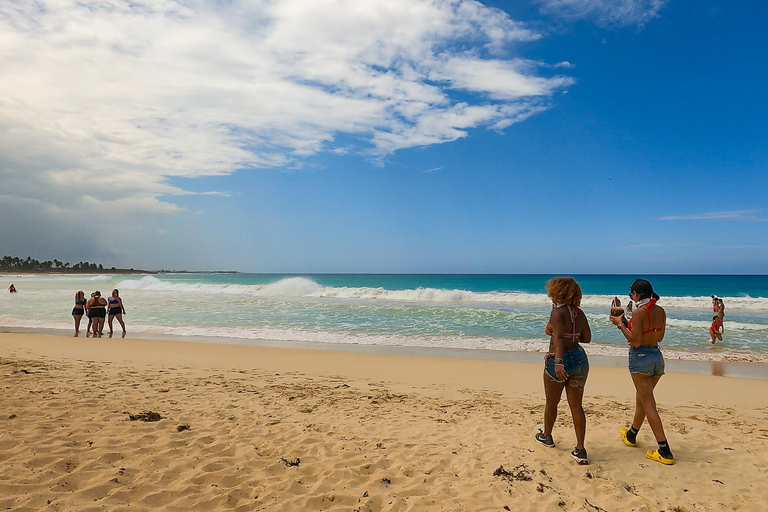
x=623, y=433
x=654, y=455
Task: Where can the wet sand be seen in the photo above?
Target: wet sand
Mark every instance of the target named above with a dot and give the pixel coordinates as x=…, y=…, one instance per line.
x=264, y=428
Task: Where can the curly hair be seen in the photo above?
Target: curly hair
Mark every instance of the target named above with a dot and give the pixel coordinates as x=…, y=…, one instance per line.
x=564, y=290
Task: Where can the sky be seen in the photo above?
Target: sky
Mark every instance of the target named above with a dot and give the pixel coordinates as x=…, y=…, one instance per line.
x=397, y=136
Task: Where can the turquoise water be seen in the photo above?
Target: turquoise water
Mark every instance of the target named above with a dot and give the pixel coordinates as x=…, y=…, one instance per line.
x=503, y=312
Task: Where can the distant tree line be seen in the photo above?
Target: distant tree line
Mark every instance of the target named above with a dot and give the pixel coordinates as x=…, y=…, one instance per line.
x=12, y=263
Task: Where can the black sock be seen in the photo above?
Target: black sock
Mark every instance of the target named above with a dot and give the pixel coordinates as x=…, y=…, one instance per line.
x=664, y=450
x=632, y=435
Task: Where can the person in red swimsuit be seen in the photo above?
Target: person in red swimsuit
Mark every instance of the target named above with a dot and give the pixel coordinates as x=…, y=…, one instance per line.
x=717, y=329
x=646, y=365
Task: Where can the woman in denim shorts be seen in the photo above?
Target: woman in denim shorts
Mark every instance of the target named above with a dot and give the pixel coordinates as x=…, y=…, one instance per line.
x=646, y=365
x=566, y=365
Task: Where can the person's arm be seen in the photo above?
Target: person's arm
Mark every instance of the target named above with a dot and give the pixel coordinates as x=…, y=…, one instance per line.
x=558, y=329
x=120, y=301
x=635, y=336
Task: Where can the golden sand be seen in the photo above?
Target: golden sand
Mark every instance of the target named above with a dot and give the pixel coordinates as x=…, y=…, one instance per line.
x=284, y=429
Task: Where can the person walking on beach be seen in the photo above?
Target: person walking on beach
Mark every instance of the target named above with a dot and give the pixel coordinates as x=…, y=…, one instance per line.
x=720, y=309
x=12, y=289
x=717, y=329
x=646, y=365
x=566, y=365
x=97, y=306
x=116, y=310
x=78, y=310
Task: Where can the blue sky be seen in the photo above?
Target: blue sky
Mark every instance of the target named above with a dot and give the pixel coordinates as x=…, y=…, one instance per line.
x=571, y=136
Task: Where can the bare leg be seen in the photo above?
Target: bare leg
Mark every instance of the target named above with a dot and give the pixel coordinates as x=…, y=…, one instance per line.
x=553, y=391
x=639, y=418
x=120, y=319
x=90, y=323
x=712, y=335
x=575, y=396
x=77, y=323
x=111, y=318
x=644, y=385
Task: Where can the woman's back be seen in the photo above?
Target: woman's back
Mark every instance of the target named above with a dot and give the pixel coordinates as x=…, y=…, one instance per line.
x=651, y=320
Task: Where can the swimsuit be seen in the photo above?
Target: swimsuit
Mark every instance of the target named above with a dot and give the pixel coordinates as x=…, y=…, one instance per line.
x=114, y=310
x=575, y=360
x=97, y=311
x=641, y=305
x=78, y=310
x=716, y=325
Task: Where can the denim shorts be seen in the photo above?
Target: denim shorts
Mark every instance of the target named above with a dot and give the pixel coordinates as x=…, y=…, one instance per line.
x=646, y=360
x=576, y=365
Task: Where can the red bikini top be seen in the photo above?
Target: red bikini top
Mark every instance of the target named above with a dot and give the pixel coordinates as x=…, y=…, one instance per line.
x=648, y=312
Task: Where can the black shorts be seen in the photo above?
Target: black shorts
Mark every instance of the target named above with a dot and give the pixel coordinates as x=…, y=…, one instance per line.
x=115, y=311
x=78, y=311
x=98, y=313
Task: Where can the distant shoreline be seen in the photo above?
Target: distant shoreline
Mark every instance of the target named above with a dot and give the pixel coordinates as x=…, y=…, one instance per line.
x=121, y=271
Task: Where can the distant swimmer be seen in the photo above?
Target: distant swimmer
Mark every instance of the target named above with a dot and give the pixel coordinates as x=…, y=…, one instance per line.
x=646, y=365
x=717, y=329
x=12, y=289
x=566, y=365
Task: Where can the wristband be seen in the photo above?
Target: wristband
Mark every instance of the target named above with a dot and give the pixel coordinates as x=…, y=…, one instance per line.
x=559, y=360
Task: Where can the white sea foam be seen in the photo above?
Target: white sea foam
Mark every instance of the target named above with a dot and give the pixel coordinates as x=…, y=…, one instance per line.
x=305, y=287
x=704, y=325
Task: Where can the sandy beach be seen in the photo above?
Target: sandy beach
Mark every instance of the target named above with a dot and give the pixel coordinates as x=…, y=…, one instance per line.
x=256, y=428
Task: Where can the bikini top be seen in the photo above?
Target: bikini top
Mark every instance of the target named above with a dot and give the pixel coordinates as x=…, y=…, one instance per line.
x=642, y=305
x=79, y=302
x=97, y=304
x=574, y=312
x=112, y=301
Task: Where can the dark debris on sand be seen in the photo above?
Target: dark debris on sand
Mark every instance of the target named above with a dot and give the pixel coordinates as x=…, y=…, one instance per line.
x=145, y=416
x=182, y=428
x=521, y=473
x=291, y=462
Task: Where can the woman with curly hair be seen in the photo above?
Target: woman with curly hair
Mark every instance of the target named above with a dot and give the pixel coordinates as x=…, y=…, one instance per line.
x=566, y=365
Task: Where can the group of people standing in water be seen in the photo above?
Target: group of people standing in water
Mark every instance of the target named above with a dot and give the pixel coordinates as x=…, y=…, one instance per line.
x=566, y=365
x=97, y=309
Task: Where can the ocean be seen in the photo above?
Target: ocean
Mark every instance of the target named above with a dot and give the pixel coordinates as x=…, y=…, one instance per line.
x=482, y=312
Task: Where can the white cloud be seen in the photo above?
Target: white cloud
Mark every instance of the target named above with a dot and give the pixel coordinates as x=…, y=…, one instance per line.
x=605, y=12
x=103, y=103
x=737, y=215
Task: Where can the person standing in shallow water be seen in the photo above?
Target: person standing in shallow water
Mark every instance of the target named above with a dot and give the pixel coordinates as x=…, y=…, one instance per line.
x=116, y=310
x=646, y=365
x=97, y=306
x=566, y=365
x=79, y=310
